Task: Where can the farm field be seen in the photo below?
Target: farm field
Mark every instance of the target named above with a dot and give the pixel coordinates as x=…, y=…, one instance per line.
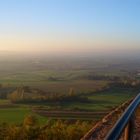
x=100, y=103
x=10, y=113
x=54, y=81
x=17, y=115
x=60, y=79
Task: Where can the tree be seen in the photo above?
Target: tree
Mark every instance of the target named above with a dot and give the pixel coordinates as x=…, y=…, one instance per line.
x=30, y=120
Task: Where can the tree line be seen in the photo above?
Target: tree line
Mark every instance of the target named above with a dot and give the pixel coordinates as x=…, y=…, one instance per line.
x=31, y=130
x=22, y=95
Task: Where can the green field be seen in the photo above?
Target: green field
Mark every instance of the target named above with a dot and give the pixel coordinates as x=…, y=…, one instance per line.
x=17, y=115
x=99, y=102
x=55, y=78
x=62, y=82
x=104, y=100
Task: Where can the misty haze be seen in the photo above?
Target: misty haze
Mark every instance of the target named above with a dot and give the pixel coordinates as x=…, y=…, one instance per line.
x=69, y=70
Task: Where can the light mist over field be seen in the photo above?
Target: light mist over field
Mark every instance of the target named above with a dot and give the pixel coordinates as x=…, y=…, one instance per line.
x=17, y=62
x=112, y=55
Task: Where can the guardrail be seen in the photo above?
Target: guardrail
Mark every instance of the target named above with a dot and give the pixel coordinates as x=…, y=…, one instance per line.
x=125, y=123
x=102, y=127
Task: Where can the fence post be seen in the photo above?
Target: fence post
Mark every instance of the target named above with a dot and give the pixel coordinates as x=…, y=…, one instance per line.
x=129, y=130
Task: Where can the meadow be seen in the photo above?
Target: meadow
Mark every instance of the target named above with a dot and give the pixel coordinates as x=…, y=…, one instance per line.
x=15, y=114
x=58, y=78
x=54, y=81
x=100, y=103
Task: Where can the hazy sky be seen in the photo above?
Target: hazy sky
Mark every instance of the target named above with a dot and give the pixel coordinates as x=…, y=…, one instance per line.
x=57, y=26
